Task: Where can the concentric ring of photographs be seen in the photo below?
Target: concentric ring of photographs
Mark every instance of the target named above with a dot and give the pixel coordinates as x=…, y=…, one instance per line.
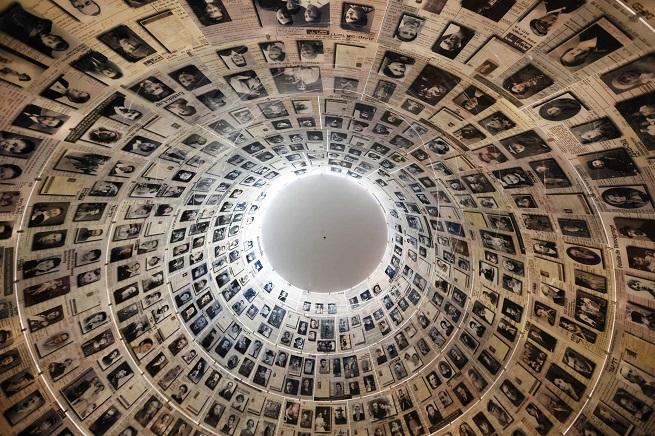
x=511, y=167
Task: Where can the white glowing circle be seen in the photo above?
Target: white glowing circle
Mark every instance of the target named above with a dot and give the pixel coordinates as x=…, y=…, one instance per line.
x=324, y=233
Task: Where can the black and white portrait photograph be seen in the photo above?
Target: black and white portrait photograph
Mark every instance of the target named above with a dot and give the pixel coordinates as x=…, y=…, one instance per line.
x=395, y=66
x=236, y=57
x=24, y=407
x=474, y=100
x=152, y=89
x=189, y=77
x=432, y=84
x=141, y=146
x=86, y=393
x=546, y=16
x=40, y=119
x=602, y=129
x=632, y=75
x=452, y=40
x=639, y=113
x=18, y=69
x=213, y=99
x=61, y=91
x=81, y=163
x=527, y=82
x=493, y=10
x=209, y=12
x=409, y=27
x=36, y=32
x=291, y=80
x=246, y=85
x=48, y=214
x=608, y=164
x=550, y=173
x=496, y=123
x=126, y=43
x=311, y=51
x=591, y=44
x=512, y=178
x=561, y=108
x=357, y=17
x=18, y=146
x=297, y=13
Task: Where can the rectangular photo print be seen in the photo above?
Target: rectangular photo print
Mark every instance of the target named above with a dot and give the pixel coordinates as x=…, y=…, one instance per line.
x=18, y=69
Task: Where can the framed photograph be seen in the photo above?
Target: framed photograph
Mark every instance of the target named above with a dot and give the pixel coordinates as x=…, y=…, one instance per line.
x=292, y=80
x=126, y=43
x=527, y=82
x=631, y=75
x=81, y=162
x=86, y=393
x=602, y=129
x=209, y=12
x=213, y=99
x=181, y=108
x=638, y=113
x=98, y=66
x=23, y=408
x=141, y=146
x=296, y=14
x=310, y=51
x=38, y=33
x=626, y=197
x=236, y=57
x=302, y=107
x=412, y=106
x=152, y=89
x=40, y=119
x=408, y=27
x=591, y=44
x=513, y=178
x=608, y=164
x=452, y=40
x=18, y=146
x=274, y=51
x=493, y=10
x=53, y=343
x=357, y=17
x=395, y=66
x=474, y=100
x=544, y=18
x=590, y=310
x=189, y=77
x=561, y=108
x=497, y=123
x=565, y=382
x=432, y=84
x=48, y=214
x=246, y=85
x=550, y=173
x=636, y=229
x=120, y=109
x=613, y=420
x=18, y=69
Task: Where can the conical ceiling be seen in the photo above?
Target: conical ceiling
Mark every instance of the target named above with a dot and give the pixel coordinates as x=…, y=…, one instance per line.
x=508, y=143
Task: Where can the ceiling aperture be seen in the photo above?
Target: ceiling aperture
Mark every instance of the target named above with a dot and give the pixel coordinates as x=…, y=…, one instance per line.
x=323, y=233
x=310, y=217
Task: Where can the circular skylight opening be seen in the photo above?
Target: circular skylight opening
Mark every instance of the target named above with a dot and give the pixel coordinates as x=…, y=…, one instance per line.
x=324, y=233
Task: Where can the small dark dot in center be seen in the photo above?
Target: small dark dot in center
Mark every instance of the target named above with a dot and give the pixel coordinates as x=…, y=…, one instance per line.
x=324, y=237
